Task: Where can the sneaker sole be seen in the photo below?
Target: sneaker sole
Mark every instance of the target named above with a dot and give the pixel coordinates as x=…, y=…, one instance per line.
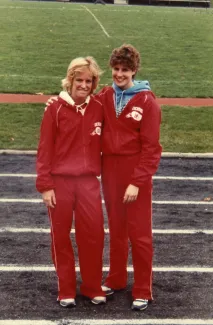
x=109, y=293
x=68, y=306
x=139, y=308
x=71, y=305
x=98, y=303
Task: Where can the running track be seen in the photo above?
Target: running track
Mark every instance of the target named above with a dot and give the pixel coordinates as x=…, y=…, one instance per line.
x=182, y=235
x=27, y=98
x=183, y=259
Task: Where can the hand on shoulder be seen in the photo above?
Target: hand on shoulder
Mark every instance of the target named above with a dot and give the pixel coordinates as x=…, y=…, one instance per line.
x=51, y=100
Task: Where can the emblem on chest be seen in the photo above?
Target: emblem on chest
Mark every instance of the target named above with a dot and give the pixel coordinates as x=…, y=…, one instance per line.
x=136, y=113
x=97, y=129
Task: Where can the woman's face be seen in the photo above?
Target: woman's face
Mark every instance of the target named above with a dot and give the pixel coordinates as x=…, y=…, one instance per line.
x=82, y=86
x=122, y=76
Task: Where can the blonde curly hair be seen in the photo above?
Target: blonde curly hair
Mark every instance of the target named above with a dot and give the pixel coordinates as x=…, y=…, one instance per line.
x=81, y=64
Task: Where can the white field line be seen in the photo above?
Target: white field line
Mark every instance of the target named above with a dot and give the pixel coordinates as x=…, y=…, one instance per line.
x=48, y=268
x=8, y=200
x=144, y=321
x=178, y=178
x=106, y=230
x=102, y=27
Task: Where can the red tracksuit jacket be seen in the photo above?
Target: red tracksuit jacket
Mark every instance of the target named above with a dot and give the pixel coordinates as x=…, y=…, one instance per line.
x=135, y=131
x=69, y=141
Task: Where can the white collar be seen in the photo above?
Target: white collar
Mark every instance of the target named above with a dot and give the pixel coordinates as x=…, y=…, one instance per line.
x=65, y=96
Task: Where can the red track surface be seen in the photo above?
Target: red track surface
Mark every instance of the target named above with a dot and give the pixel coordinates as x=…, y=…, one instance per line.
x=24, y=98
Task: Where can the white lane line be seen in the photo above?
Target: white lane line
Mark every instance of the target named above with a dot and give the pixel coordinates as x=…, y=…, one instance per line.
x=144, y=321
x=28, y=322
x=8, y=200
x=28, y=230
x=162, y=321
x=106, y=230
x=21, y=200
x=184, y=202
x=48, y=268
x=181, y=178
x=182, y=231
x=102, y=27
x=18, y=175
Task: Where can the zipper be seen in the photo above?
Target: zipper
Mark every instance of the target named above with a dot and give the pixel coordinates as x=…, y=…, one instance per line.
x=84, y=148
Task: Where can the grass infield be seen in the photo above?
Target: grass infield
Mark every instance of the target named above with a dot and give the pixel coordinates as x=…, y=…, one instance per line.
x=183, y=129
x=38, y=40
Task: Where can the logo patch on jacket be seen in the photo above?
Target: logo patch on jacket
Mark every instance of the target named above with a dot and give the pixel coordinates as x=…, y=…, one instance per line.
x=97, y=129
x=136, y=113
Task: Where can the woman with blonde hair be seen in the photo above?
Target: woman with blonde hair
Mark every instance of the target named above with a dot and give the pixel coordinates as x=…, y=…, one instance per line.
x=68, y=163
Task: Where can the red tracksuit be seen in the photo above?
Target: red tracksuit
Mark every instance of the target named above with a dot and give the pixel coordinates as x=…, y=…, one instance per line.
x=68, y=161
x=131, y=154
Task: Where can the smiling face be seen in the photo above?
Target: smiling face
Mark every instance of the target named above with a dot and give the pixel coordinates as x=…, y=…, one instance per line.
x=122, y=76
x=81, y=86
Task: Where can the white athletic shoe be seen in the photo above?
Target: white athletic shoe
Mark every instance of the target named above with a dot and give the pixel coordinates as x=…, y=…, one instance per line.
x=67, y=303
x=140, y=304
x=98, y=300
x=108, y=291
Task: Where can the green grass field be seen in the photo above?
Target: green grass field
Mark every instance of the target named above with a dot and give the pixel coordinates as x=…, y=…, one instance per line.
x=38, y=40
x=183, y=129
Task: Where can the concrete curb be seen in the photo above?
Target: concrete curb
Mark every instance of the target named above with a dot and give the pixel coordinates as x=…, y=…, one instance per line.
x=164, y=155
x=187, y=155
x=17, y=152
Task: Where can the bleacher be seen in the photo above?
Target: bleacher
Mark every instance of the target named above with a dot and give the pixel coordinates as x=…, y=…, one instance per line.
x=85, y=1
x=177, y=3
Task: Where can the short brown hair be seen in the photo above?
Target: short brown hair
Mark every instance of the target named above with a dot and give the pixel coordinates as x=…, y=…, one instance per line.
x=127, y=55
x=79, y=65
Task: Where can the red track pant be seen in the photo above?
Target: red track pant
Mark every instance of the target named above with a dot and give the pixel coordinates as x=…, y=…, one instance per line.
x=131, y=221
x=81, y=195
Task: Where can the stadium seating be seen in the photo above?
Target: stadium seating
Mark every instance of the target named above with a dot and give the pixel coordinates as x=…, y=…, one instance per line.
x=178, y=3
x=92, y=1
